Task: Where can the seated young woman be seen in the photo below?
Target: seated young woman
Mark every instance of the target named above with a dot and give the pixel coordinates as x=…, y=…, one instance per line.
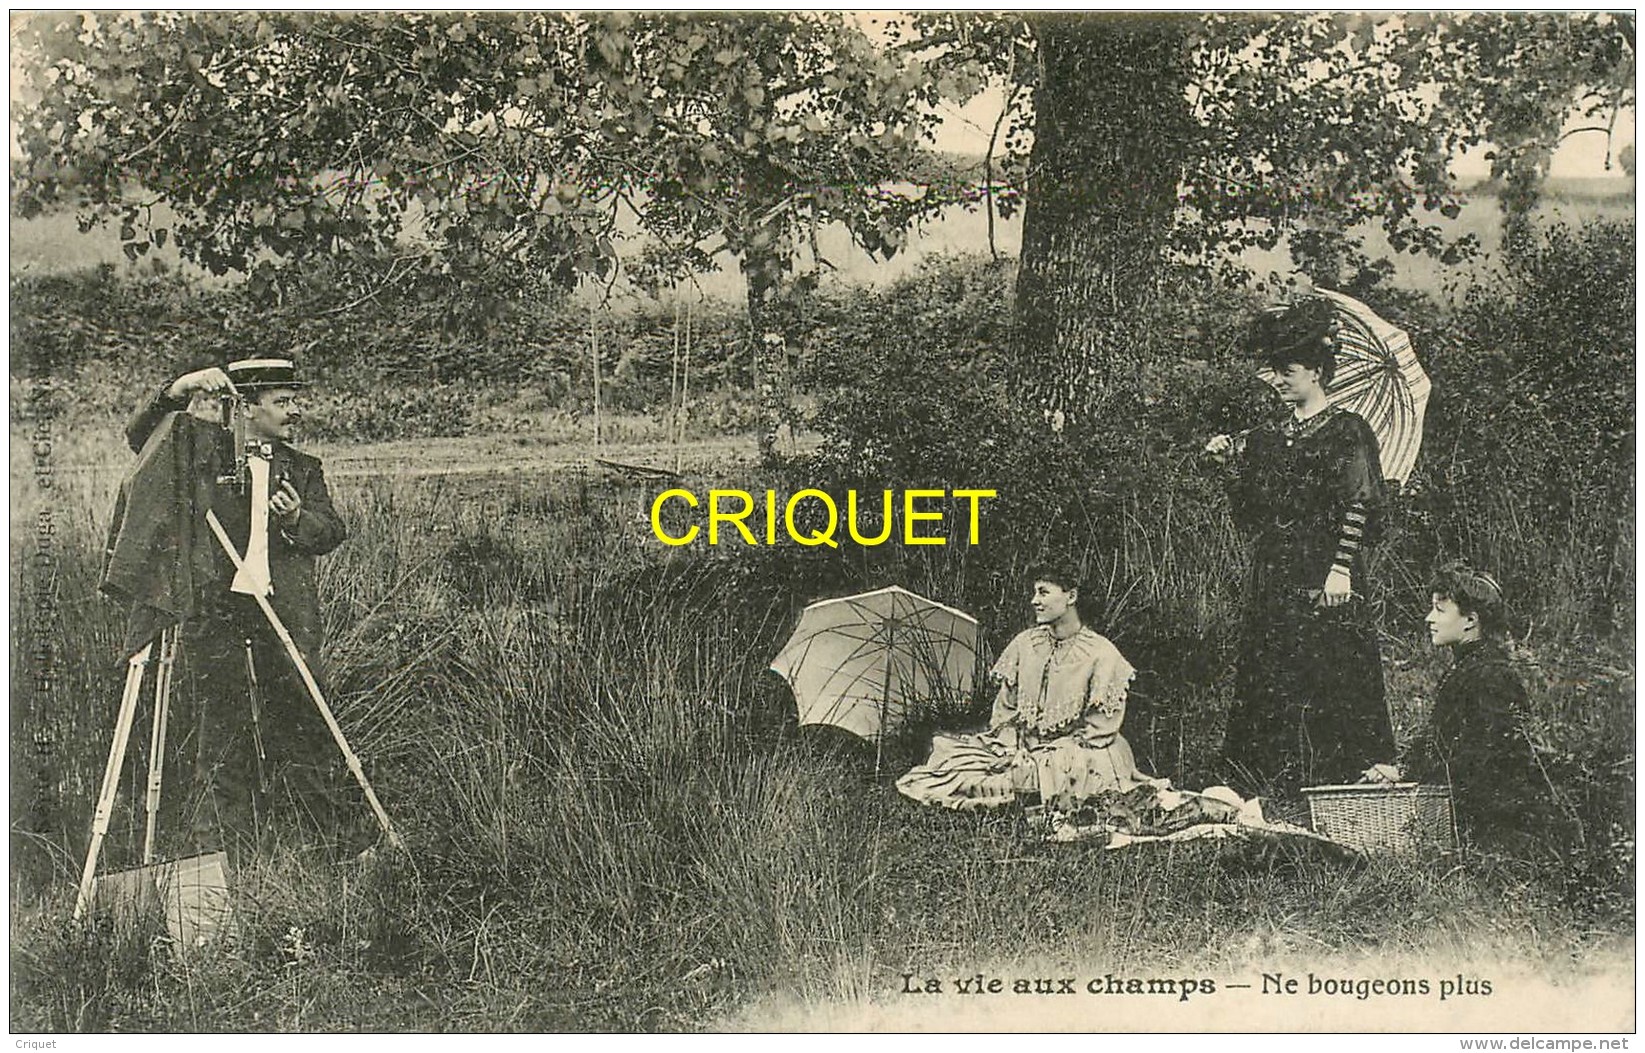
x=1476, y=740
x=1054, y=735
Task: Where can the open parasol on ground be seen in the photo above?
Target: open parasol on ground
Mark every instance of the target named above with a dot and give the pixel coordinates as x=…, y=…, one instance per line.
x=1378, y=377
x=864, y=663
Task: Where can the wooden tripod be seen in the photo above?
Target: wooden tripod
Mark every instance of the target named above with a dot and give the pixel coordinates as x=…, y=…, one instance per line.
x=157, y=739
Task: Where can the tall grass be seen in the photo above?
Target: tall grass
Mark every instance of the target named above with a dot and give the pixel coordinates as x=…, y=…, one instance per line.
x=612, y=824
x=611, y=821
x=573, y=759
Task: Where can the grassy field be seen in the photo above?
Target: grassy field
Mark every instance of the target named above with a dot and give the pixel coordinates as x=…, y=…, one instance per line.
x=612, y=826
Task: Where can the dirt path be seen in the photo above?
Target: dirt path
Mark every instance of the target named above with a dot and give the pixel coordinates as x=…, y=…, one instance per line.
x=503, y=454
x=466, y=455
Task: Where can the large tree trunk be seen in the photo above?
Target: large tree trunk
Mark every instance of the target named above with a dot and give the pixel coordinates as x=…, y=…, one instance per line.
x=1110, y=118
x=766, y=349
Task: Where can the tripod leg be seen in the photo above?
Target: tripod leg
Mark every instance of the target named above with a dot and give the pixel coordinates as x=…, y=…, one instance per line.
x=255, y=691
x=280, y=630
x=157, y=738
x=349, y=756
x=111, y=776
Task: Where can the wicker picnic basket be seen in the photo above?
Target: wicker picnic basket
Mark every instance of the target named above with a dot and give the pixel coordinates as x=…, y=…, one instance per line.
x=1402, y=817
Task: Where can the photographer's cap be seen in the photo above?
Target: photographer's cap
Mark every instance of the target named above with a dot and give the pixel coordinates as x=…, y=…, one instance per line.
x=251, y=374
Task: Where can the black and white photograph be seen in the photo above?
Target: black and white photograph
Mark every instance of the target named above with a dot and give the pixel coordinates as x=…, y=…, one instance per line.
x=818, y=521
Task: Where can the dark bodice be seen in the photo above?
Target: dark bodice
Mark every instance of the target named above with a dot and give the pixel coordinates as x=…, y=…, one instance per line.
x=1295, y=485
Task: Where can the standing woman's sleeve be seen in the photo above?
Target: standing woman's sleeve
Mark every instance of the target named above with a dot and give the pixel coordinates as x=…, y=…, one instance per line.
x=1360, y=496
x=1248, y=498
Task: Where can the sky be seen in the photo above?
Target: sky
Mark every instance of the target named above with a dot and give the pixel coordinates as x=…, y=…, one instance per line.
x=964, y=130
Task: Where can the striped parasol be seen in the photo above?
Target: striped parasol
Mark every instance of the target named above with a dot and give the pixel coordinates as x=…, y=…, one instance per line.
x=1378, y=377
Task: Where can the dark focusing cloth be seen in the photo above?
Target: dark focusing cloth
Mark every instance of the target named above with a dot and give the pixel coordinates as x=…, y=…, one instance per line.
x=164, y=561
x=161, y=556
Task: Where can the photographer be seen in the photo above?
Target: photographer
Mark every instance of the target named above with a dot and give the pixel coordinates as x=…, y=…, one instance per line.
x=254, y=747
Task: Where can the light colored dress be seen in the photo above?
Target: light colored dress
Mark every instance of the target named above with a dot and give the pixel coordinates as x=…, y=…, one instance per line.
x=1055, y=730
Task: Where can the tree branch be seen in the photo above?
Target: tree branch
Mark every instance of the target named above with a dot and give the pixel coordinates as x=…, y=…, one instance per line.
x=176, y=119
x=1585, y=128
x=386, y=283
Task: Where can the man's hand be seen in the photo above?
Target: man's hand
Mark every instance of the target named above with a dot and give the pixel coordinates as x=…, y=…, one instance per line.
x=210, y=381
x=1384, y=773
x=286, y=503
x=1339, y=588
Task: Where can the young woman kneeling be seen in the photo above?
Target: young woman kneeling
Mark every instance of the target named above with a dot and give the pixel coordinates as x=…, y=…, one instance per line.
x=1476, y=739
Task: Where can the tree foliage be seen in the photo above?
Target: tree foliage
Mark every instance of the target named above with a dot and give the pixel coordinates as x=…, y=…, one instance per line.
x=497, y=150
x=397, y=141
x=1302, y=128
x=500, y=149
x=1328, y=121
x=757, y=130
x=478, y=145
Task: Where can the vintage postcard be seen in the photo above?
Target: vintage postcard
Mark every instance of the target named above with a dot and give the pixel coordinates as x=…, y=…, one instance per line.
x=813, y=521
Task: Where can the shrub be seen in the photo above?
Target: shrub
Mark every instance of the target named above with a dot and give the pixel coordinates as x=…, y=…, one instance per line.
x=1528, y=460
x=405, y=363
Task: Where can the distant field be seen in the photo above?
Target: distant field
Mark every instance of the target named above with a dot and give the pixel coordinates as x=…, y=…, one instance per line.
x=473, y=455
x=53, y=244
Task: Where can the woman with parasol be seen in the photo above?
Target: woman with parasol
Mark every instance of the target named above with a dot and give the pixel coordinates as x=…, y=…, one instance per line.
x=1308, y=489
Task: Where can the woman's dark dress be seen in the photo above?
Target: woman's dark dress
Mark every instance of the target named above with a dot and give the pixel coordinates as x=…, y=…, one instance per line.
x=1475, y=741
x=1308, y=695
